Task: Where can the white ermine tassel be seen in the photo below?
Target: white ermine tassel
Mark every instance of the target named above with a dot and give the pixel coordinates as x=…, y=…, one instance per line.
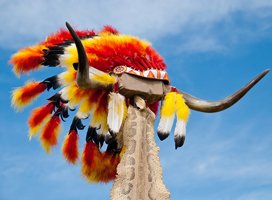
x=182, y=117
x=167, y=115
x=117, y=112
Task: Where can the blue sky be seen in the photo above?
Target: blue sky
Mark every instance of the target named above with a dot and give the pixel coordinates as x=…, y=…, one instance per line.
x=211, y=47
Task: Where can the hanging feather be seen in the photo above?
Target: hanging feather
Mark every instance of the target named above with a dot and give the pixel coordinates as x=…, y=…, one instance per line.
x=92, y=135
x=70, y=150
x=99, y=116
x=23, y=96
x=38, y=117
x=167, y=116
x=91, y=160
x=112, y=159
x=116, y=112
x=108, y=171
x=50, y=133
x=183, y=113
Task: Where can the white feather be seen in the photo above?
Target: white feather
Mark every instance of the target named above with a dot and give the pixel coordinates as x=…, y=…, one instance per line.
x=180, y=130
x=166, y=123
x=116, y=111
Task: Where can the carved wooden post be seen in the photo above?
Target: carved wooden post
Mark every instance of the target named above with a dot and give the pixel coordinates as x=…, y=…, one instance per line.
x=139, y=172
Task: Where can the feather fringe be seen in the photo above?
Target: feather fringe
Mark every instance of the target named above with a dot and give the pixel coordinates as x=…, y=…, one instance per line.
x=50, y=133
x=167, y=116
x=38, y=117
x=23, y=96
x=70, y=150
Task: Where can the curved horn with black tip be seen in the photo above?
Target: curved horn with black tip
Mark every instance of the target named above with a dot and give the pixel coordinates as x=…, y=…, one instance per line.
x=217, y=106
x=82, y=79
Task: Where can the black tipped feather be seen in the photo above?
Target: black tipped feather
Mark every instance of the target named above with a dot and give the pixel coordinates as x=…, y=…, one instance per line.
x=57, y=98
x=112, y=146
x=51, y=63
x=179, y=141
x=92, y=135
x=109, y=138
x=76, y=124
x=163, y=136
x=101, y=140
x=52, y=82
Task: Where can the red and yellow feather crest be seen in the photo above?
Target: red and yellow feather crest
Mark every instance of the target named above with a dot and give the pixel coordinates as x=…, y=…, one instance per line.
x=105, y=50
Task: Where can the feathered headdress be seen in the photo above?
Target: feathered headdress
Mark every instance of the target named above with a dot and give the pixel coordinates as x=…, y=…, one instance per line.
x=106, y=51
x=92, y=62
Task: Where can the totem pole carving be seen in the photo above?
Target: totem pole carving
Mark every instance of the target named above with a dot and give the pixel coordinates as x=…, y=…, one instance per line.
x=119, y=81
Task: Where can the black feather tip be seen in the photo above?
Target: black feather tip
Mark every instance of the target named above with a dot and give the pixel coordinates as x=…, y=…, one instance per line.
x=162, y=136
x=179, y=141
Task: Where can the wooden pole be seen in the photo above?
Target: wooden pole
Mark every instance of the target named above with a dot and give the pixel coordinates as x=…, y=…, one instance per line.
x=139, y=172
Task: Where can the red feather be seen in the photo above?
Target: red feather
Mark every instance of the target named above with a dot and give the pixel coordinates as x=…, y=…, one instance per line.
x=108, y=29
x=109, y=171
x=27, y=59
x=64, y=34
x=38, y=116
x=70, y=147
x=23, y=96
x=153, y=107
x=90, y=161
x=49, y=135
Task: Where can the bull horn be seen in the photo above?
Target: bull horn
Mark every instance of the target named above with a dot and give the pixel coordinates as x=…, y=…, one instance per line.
x=217, y=106
x=83, y=80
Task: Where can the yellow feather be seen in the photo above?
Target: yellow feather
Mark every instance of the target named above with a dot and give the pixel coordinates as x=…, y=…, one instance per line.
x=183, y=110
x=104, y=78
x=169, y=106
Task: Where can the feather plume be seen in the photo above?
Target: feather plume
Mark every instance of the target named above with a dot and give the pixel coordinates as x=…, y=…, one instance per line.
x=167, y=116
x=70, y=150
x=23, y=96
x=91, y=160
x=38, y=117
x=108, y=171
x=27, y=59
x=183, y=113
x=116, y=113
x=97, y=166
x=63, y=34
x=50, y=133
